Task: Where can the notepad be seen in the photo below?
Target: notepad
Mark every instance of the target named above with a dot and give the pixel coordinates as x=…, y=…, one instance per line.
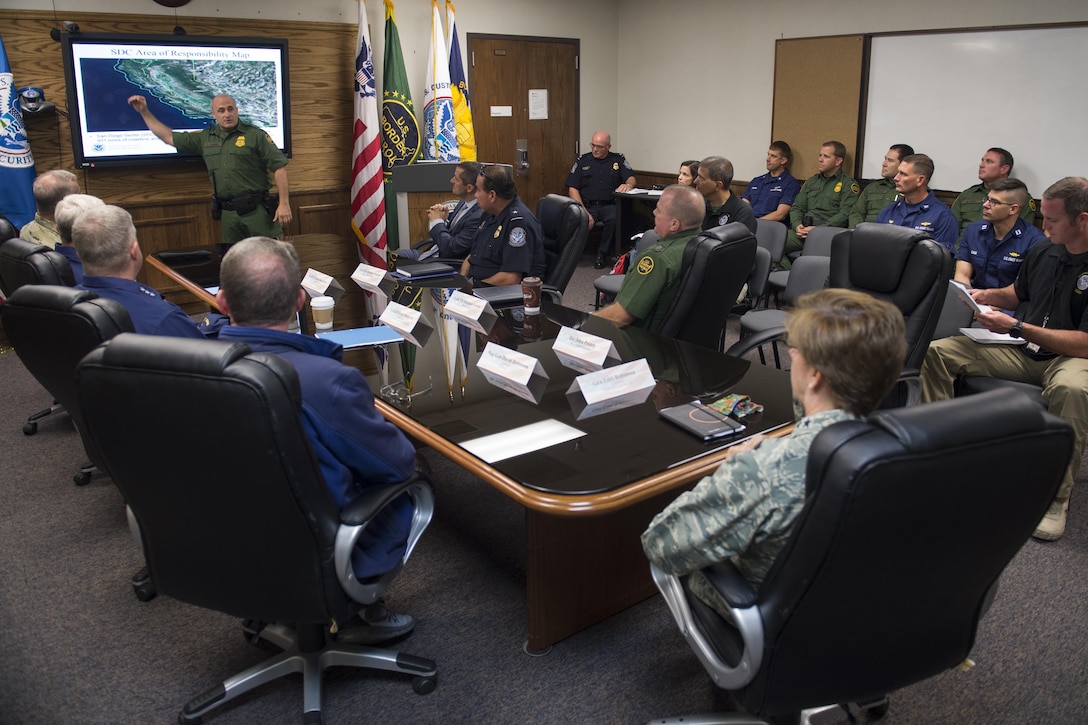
x=701, y=421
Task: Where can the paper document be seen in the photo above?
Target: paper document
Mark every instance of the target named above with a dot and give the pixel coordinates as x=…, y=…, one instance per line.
x=984, y=336
x=526, y=439
x=961, y=289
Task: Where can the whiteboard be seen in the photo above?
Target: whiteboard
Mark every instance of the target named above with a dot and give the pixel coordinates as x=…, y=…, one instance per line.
x=954, y=95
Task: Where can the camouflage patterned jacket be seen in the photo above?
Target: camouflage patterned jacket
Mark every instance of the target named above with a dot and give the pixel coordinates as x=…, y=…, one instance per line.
x=744, y=511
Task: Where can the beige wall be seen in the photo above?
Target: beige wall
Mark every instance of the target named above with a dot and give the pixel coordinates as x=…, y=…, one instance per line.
x=680, y=97
x=665, y=95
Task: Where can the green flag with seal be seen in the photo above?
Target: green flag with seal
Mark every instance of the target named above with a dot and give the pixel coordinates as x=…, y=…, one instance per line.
x=400, y=129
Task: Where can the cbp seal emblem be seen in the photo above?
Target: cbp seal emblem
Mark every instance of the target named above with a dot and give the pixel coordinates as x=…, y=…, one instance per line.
x=645, y=266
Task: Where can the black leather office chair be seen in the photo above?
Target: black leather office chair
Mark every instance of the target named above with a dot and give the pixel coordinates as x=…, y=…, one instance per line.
x=607, y=286
x=7, y=229
x=253, y=533
x=715, y=266
x=52, y=328
x=23, y=263
x=566, y=228
x=904, y=267
x=910, y=518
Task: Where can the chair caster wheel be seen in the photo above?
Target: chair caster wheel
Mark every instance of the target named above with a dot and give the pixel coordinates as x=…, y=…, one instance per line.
x=30, y=429
x=82, y=478
x=143, y=587
x=424, y=685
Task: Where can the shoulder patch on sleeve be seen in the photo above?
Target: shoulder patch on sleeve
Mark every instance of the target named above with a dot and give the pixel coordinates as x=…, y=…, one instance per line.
x=645, y=266
x=517, y=237
x=855, y=188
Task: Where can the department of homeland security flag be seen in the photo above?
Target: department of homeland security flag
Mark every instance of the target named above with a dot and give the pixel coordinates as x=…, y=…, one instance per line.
x=367, y=192
x=462, y=110
x=16, y=162
x=440, y=131
x=400, y=130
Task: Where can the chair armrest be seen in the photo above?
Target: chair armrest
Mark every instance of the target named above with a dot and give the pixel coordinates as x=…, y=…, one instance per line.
x=758, y=339
x=747, y=622
x=360, y=512
x=731, y=584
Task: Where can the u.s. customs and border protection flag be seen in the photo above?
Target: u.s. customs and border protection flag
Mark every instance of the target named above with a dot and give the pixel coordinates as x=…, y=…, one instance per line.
x=455, y=339
x=400, y=130
x=440, y=131
x=16, y=162
x=367, y=190
x=462, y=109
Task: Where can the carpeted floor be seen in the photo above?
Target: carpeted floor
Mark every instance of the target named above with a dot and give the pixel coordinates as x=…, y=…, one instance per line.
x=77, y=647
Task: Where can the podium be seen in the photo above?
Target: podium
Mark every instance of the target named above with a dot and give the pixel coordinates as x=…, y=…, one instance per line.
x=418, y=186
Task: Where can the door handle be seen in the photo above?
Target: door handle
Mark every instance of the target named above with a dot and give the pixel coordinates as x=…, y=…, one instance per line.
x=522, y=156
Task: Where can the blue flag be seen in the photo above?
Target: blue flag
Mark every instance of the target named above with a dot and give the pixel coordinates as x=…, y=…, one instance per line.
x=16, y=162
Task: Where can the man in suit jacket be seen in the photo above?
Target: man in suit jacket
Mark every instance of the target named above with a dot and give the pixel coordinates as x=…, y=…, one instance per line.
x=453, y=231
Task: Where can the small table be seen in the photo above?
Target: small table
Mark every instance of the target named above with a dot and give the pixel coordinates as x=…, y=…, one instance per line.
x=626, y=204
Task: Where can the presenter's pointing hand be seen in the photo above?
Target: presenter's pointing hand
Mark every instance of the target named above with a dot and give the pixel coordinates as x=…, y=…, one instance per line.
x=139, y=103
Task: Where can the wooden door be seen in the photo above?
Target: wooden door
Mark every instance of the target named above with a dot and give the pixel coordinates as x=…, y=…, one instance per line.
x=504, y=71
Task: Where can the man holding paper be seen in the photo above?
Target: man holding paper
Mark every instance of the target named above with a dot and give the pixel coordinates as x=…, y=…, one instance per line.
x=994, y=247
x=260, y=288
x=1050, y=297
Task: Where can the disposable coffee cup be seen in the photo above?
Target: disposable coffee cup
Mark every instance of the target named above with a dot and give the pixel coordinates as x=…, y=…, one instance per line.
x=322, y=308
x=530, y=294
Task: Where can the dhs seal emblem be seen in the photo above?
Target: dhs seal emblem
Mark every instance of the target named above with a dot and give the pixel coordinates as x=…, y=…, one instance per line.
x=517, y=237
x=1082, y=282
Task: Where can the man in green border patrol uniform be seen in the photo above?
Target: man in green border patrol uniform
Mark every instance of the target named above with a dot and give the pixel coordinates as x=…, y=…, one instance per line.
x=239, y=157
x=826, y=199
x=995, y=164
x=648, y=289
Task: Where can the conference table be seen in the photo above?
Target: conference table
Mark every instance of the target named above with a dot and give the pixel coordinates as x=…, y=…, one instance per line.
x=586, y=499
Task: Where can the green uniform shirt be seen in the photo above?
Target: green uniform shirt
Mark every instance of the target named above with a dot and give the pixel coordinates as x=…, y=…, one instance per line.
x=967, y=207
x=874, y=197
x=238, y=160
x=827, y=199
x=648, y=289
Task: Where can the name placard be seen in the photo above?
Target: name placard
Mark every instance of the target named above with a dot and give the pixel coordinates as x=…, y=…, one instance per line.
x=411, y=324
x=583, y=352
x=319, y=284
x=614, y=388
x=471, y=311
x=372, y=279
x=513, y=371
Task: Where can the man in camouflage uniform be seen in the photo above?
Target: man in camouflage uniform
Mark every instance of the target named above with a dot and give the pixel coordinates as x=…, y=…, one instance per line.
x=826, y=199
x=648, y=289
x=995, y=164
x=49, y=189
x=878, y=194
x=239, y=157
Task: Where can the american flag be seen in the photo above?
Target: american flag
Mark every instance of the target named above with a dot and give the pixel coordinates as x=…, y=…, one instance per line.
x=367, y=194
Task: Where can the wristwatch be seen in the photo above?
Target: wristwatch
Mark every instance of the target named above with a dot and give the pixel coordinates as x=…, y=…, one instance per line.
x=1017, y=329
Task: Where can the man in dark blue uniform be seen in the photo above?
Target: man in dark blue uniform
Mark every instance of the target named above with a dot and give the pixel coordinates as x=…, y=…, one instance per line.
x=105, y=239
x=509, y=243
x=772, y=194
x=355, y=446
x=917, y=207
x=722, y=205
x=993, y=248
x=592, y=181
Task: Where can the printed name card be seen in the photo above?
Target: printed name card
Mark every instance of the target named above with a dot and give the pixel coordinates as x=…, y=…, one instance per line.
x=584, y=352
x=513, y=371
x=411, y=324
x=319, y=284
x=373, y=279
x=471, y=311
x=614, y=388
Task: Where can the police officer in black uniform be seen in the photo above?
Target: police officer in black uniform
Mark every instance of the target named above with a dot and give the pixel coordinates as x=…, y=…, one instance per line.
x=509, y=243
x=592, y=181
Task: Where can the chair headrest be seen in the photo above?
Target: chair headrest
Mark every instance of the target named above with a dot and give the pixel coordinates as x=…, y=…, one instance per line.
x=549, y=212
x=734, y=231
x=23, y=262
x=49, y=297
x=877, y=254
x=7, y=229
x=176, y=354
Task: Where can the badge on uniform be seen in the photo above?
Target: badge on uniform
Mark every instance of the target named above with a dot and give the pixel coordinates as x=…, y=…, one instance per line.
x=838, y=187
x=240, y=141
x=616, y=166
x=517, y=237
x=645, y=266
x=498, y=231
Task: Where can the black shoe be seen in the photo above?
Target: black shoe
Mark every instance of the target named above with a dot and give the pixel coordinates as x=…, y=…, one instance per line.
x=378, y=625
x=601, y=262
